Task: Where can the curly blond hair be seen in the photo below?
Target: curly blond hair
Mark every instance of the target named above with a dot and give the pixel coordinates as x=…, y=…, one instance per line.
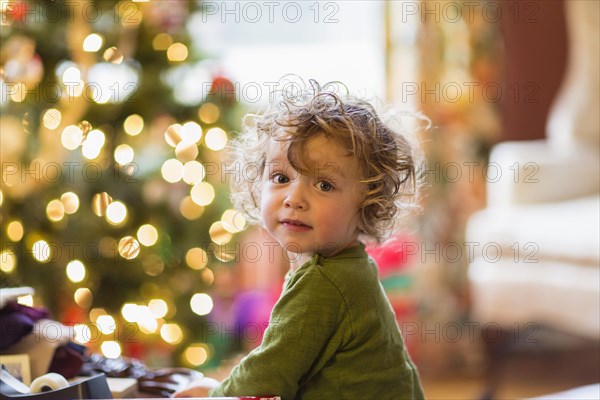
x=387, y=160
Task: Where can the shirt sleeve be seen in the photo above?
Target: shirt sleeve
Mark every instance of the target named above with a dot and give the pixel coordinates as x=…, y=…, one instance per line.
x=302, y=327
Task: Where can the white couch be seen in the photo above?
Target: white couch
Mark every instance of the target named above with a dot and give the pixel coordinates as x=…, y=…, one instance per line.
x=546, y=204
x=549, y=235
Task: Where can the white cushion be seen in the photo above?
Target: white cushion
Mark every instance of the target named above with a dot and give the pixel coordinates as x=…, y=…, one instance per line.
x=564, y=296
x=530, y=172
x=566, y=231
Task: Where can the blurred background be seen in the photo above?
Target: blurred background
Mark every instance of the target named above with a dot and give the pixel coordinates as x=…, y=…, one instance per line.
x=115, y=121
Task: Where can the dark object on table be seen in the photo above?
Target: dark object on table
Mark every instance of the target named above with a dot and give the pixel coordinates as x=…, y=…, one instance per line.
x=163, y=382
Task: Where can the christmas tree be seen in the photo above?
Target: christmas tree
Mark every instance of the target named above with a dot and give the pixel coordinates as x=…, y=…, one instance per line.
x=114, y=206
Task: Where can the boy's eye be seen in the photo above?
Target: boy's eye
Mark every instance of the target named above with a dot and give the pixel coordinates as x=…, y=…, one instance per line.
x=325, y=186
x=280, y=178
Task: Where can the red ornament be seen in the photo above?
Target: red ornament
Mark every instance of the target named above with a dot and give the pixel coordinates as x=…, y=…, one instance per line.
x=73, y=315
x=132, y=346
x=223, y=90
x=393, y=255
x=16, y=11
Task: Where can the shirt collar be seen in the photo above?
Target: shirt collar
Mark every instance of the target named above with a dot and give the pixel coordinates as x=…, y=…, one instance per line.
x=356, y=251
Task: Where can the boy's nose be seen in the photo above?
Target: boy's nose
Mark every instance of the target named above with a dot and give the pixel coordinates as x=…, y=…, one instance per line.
x=294, y=204
x=295, y=199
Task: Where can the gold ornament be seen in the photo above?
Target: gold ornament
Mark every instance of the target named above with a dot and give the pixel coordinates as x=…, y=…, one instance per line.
x=55, y=210
x=129, y=247
x=172, y=135
x=186, y=151
x=26, y=122
x=218, y=234
x=100, y=202
x=113, y=55
x=85, y=127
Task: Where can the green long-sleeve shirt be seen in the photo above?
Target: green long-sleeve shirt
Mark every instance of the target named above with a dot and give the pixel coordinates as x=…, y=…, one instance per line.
x=332, y=335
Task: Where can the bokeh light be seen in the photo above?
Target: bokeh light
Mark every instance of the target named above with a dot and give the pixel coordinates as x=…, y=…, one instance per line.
x=52, y=118
x=70, y=202
x=83, y=334
x=92, y=43
x=177, y=52
x=196, y=258
x=186, y=151
x=216, y=139
x=202, y=193
x=85, y=127
x=14, y=230
x=75, y=271
x=55, y=210
x=95, y=313
x=133, y=125
x=172, y=170
x=8, y=261
x=201, y=303
x=92, y=145
x=233, y=221
x=129, y=248
x=100, y=203
x=208, y=276
x=158, y=307
x=153, y=265
x=41, y=251
x=113, y=55
x=171, y=333
x=83, y=297
x=106, y=324
x=193, y=172
x=218, y=234
x=147, y=235
x=116, y=213
x=189, y=209
x=173, y=135
x=111, y=349
x=195, y=355
x=129, y=312
x=191, y=132
x=162, y=41
x=146, y=320
x=71, y=75
x=209, y=113
x=124, y=154
x=71, y=137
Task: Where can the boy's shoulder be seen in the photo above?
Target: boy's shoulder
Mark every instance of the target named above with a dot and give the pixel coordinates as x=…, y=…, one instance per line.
x=348, y=270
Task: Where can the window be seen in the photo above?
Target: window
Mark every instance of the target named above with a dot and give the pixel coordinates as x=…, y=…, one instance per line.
x=256, y=43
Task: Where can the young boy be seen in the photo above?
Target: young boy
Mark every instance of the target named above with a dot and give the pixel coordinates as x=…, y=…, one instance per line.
x=332, y=175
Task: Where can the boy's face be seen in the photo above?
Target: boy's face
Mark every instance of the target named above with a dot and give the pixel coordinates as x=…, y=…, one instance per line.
x=317, y=212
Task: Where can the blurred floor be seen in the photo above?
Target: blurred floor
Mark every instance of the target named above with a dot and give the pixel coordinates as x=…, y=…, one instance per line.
x=526, y=374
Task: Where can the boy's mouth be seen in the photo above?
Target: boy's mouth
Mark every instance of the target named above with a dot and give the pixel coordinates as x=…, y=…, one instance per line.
x=295, y=225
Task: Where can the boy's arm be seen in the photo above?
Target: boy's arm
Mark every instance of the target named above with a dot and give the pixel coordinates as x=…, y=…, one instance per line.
x=299, y=339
